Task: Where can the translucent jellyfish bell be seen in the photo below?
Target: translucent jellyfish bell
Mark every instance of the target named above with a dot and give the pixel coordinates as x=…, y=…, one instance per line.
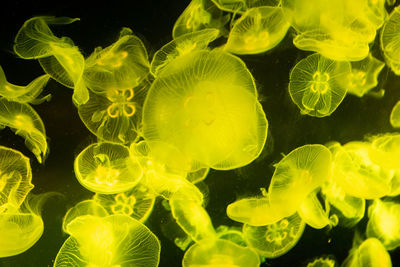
x=299, y=173
x=257, y=30
x=389, y=40
x=371, y=252
x=317, y=84
x=395, y=115
x=107, y=168
x=24, y=121
x=219, y=252
x=205, y=104
x=115, y=240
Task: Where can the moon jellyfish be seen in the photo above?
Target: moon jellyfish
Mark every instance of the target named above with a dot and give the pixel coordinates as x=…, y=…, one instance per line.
x=199, y=15
x=180, y=46
x=205, y=104
x=15, y=179
x=25, y=122
x=298, y=174
x=395, y=115
x=115, y=240
x=240, y=6
x=385, y=150
x=390, y=40
x=356, y=174
x=233, y=234
x=107, y=168
x=59, y=57
x=137, y=202
x=85, y=207
x=120, y=66
x=384, y=223
x=317, y=85
x=322, y=262
x=219, y=252
x=364, y=76
x=371, y=252
x=23, y=94
x=274, y=240
x=257, y=30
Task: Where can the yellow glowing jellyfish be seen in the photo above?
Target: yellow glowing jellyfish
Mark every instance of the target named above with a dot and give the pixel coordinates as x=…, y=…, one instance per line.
x=257, y=30
x=115, y=240
x=299, y=173
x=390, y=38
x=385, y=150
x=24, y=121
x=384, y=223
x=120, y=66
x=371, y=252
x=219, y=252
x=23, y=94
x=364, y=76
x=180, y=46
x=205, y=104
x=274, y=240
x=107, y=168
x=115, y=115
x=317, y=85
x=240, y=6
x=199, y=15
x=59, y=57
x=137, y=202
x=322, y=262
x=357, y=174
x=395, y=115
x=15, y=179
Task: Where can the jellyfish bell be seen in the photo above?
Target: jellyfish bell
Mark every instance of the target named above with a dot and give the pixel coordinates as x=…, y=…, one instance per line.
x=205, y=104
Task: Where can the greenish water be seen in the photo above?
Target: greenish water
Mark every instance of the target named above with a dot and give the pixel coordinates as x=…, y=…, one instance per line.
x=152, y=21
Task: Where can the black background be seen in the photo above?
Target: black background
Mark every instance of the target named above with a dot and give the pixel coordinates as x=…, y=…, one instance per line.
x=152, y=21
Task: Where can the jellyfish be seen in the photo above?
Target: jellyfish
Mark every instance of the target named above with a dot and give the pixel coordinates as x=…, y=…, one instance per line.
x=85, y=207
x=274, y=240
x=15, y=179
x=317, y=85
x=385, y=150
x=389, y=39
x=354, y=171
x=322, y=262
x=59, y=57
x=241, y=6
x=25, y=122
x=182, y=45
x=205, y=104
x=120, y=66
x=115, y=240
x=364, y=76
x=231, y=233
x=257, y=30
x=371, y=252
x=384, y=223
x=219, y=252
x=107, y=168
x=137, y=202
x=199, y=15
x=23, y=94
x=298, y=174
x=395, y=115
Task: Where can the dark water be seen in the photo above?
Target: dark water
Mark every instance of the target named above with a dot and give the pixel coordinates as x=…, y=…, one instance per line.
x=152, y=21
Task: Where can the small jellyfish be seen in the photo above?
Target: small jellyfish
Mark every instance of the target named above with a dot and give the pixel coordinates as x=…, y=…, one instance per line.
x=323, y=262
x=115, y=240
x=364, y=76
x=205, y=104
x=298, y=174
x=390, y=40
x=317, y=85
x=371, y=252
x=24, y=121
x=257, y=30
x=384, y=223
x=107, y=168
x=15, y=179
x=122, y=65
x=274, y=240
x=114, y=116
x=219, y=252
x=199, y=15
x=180, y=46
x=137, y=202
x=23, y=94
x=395, y=115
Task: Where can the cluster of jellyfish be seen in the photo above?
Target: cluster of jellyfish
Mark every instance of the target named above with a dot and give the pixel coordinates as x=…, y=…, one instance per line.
x=161, y=125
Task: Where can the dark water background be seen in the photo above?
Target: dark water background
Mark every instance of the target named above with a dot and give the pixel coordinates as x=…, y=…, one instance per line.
x=152, y=21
